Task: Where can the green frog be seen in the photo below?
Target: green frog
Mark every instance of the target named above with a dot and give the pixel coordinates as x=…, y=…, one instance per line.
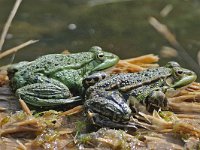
x=108, y=102
x=53, y=79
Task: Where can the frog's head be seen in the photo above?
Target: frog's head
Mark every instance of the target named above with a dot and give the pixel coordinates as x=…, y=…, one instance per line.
x=180, y=76
x=103, y=60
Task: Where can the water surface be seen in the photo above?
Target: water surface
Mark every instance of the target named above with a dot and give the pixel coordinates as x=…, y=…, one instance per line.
x=119, y=26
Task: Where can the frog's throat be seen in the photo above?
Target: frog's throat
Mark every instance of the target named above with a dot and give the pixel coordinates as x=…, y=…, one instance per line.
x=107, y=63
x=184, y=81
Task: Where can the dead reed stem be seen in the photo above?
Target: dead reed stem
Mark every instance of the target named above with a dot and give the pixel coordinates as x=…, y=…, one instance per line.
x=21, y=145
x=25, y=107
x=15, y=49
x=170, y=37
x=8, y=22
x=72, y=111
x=2, y=109
x=18, y=129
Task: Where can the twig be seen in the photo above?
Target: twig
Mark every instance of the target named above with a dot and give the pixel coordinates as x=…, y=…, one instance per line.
x=198, y=57
x=29, y=122
x=72, y=111
x=163, y=30
x=21, y=145
x=25, y=107
x=8, y=23
x=18, y=129
x=103, y=2
x=15, y=49
x=3, y=109
x=166, y=10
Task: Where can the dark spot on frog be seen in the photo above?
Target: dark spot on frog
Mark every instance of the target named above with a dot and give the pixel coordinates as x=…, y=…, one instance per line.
x=88, y=80
x=146, y=74
x=96, y=79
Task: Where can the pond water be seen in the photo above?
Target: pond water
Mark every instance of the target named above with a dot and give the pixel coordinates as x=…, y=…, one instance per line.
x=119, y=26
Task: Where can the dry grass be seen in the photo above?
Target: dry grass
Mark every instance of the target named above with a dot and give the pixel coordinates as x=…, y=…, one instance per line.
x=135, y=64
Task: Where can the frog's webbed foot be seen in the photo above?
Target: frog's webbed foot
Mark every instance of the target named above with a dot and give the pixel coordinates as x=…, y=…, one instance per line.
x=102, y=121
x=156, y=100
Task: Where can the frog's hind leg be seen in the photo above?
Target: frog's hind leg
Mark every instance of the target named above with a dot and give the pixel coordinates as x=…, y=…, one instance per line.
x=108, y=108
x=46, y=92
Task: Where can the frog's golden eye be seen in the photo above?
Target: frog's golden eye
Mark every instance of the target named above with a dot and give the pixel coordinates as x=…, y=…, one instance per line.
x=100, y=56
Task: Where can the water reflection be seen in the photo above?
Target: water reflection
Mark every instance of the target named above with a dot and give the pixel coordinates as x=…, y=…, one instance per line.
x=120, y=26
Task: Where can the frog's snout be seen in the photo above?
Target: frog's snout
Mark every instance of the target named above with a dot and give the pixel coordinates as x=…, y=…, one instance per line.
x=109, y=61
x=185, y=80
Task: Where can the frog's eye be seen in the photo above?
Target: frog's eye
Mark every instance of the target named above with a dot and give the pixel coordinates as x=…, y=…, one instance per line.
x=100, y=56
x=179, y=72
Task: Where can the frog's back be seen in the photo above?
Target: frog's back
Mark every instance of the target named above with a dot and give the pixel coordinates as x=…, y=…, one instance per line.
x=134, y=79
x=48, y=65
x=53, y=62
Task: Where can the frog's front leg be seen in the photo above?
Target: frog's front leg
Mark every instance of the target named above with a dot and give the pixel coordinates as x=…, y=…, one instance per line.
x=45, y=92
x=93, y=79
x=155, y=100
